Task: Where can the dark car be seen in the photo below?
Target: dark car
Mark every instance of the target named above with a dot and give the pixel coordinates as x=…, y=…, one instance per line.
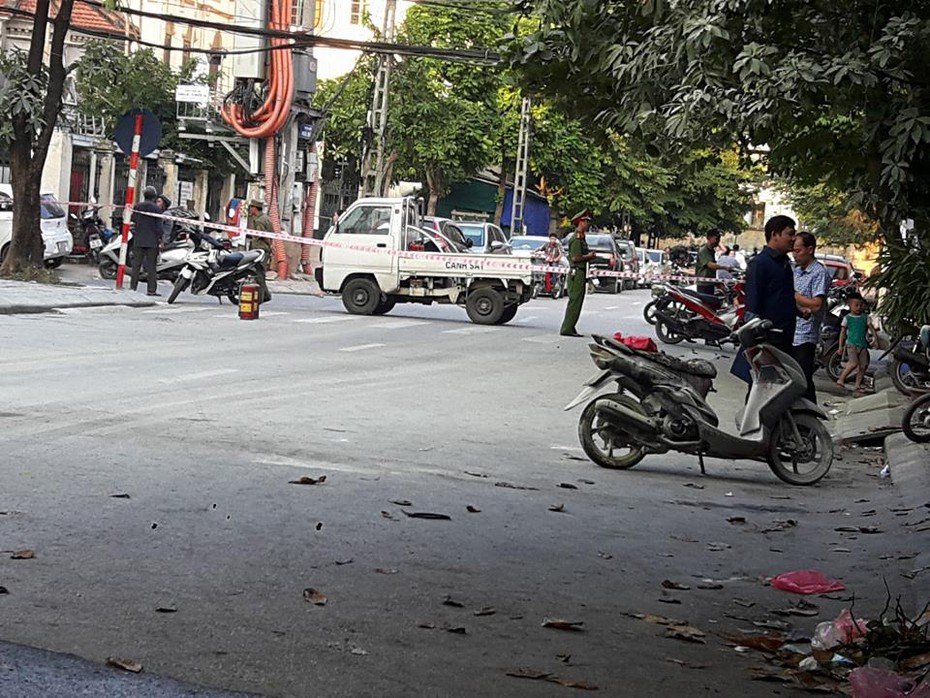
x=609, y=258
x=630, y=262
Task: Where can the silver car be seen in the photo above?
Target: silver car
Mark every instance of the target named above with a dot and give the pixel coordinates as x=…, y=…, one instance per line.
x=485, y=237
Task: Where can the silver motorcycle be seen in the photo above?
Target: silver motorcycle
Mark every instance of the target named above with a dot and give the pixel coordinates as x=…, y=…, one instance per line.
x=660, y=405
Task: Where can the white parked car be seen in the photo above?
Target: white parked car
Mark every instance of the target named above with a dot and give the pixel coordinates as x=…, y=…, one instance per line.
x=55, y=233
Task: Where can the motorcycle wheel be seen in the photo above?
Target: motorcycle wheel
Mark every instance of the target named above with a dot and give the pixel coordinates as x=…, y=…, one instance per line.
x=649, y=312
x=835, y=363
x=600, y=440
x=179, y=286
x=667, y=334
x=905, y=380
x=786, y=458
x=107, y=268
x=916, y=421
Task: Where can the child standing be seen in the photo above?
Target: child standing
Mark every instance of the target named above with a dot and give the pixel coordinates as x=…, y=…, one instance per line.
x=854, y=338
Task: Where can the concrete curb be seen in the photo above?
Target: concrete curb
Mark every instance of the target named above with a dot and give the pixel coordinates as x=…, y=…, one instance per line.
x=23, y=309
x=910, y=469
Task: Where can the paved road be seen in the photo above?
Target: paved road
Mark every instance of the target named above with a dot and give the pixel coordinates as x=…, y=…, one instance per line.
x=202, y=420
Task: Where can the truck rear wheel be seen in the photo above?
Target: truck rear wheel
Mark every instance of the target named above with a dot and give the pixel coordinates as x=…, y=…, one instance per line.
x=361, y=296
x=485, y=306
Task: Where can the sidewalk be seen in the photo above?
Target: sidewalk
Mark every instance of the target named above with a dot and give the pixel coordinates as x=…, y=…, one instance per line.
x=18, y=297
x=23, y=297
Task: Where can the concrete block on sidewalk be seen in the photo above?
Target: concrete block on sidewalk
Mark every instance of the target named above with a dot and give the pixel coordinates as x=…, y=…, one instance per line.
x=884, y=400
x=910, y=469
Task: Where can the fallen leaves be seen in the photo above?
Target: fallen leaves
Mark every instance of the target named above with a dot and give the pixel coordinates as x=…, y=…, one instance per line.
x=688, y=633
x=801, y=608
x=558, y=508
x=347, y=561
x=511, y=486
x=166, y=609
x=551, y=678
x=736, y=519
x=22, y=555
x=120, y=495
x=669, y=584
x=916, y=662
x=124, y=664
x=432, y=516
x=559, y=624
x=449, y=601
x=307, y=480
x=718, y=547
x=385, y=570
x=472, y=510
x=780, y=525
x=568, y=486
x=858, y=529
x=486, y=611
x=4, y=590
x=402, y=502
x=315, y=596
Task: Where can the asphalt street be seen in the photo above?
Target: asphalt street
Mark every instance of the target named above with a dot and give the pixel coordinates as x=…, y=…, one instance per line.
x=147, y=460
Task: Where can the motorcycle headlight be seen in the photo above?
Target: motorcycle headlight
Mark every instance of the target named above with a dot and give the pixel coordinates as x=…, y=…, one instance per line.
x=658, y=291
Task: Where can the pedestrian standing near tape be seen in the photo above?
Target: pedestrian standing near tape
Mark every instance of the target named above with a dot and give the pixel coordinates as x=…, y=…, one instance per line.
x=578, y=256
x=706, y=267
x=259, y=220
x=811, y=287
x=146, y=237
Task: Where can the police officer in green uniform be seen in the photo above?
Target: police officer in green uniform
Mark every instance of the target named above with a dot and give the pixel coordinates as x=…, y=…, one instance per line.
x=579, y=256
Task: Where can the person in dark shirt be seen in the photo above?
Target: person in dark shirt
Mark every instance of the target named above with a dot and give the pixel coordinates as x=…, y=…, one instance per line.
x=770, y=288
x=146, y=237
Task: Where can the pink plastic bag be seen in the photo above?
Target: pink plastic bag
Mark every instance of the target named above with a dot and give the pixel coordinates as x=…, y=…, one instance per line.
x=643, y=343
x=867, y=682
x=806, y=582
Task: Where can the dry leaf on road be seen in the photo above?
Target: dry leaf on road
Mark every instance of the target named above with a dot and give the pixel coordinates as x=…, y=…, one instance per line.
x=22, y=555
x=314, y=596
x=349, y=561
x=426, y=515
x=457, y=629
x=916, y=662
x=669, y=584
x=385, y=570
x=124, y=664
x=472, y=510
x=486, y=611
x=402, y=502
x=306, y=480
x=687, y=633
x=559, y=624
x=552, y=678
x=449, y=601
x=568, y=486
x=120, y=495
x=166, y=609
x=558, y=508
x=511, y=486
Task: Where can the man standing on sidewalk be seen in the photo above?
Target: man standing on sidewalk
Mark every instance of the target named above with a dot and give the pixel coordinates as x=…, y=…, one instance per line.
x=578, y=256
x=811, y=286
x=259, y=220
x=146, y=237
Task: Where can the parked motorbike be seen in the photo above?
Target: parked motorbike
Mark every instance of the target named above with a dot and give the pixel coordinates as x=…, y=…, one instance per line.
x=910, y=366
x=171, y=257
x=661, y=406
x=213, y=270
x=916, y=421
x=685, y=314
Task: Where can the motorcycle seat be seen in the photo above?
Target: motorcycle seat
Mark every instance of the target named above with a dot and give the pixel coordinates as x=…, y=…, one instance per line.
x=708, y=299
x=251, y=255
x=701, y=368
x=231, y=259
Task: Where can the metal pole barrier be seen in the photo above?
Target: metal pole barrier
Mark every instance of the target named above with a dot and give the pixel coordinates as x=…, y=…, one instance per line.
x=130, y=199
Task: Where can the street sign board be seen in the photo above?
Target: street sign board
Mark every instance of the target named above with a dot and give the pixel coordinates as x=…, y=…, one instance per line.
x=151, y=132
x=198, y=94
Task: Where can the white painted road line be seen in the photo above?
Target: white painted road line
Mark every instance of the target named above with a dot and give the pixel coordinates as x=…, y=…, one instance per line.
x=272, y=313
x=611, y=307
x=362, y=347
x=327, y=319
x=200, y=376
x=178, y=309
x=399, y=324
x=474, y=329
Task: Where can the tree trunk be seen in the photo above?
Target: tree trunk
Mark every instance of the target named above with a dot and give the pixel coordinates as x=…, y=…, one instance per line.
x=29, y=148
x=434, y=180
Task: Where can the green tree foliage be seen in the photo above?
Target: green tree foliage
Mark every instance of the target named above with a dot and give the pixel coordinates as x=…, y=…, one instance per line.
x=828, y=214
x=838, y=91
x=444, y=125
x=110, y=83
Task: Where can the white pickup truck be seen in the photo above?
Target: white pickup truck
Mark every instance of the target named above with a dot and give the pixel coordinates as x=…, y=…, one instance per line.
x=375, y=258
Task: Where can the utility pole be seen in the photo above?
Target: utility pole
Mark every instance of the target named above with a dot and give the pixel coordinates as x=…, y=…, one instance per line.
x=372, y=176
x=523, y=164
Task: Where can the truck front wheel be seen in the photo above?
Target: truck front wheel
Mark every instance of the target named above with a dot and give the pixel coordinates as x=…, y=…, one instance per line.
x=485, y=306
x=361, y=296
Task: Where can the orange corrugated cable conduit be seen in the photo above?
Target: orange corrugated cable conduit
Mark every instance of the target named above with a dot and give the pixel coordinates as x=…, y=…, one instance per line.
x=268, y=120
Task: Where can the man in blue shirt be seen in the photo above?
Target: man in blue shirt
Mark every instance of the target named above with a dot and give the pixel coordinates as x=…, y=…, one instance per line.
x=770, y=288
x=811, y=287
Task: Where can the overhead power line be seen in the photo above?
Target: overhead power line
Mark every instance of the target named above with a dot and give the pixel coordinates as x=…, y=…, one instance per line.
x=308, y=40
